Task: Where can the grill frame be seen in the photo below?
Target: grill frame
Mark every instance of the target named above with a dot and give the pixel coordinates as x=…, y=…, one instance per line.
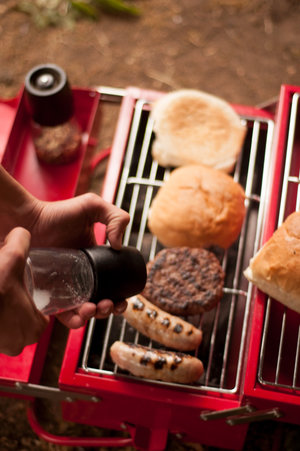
x=135, y=393
x=281, y=202
x=114, y=402
x=137, y=178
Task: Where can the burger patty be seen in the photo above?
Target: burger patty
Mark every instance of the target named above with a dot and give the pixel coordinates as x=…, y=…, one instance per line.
x=184, y=281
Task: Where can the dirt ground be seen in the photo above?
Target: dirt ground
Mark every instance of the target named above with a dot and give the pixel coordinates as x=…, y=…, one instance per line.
x=240, y=50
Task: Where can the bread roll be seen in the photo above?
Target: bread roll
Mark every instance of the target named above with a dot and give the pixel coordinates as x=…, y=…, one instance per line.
x=275, y=269
x=197, y=207
x=193, y=127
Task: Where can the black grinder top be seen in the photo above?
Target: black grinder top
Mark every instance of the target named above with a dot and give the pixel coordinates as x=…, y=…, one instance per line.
x=118, y=274
x=48, y=95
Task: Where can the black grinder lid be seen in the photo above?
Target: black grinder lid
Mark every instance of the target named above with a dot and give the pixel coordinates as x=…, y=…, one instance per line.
x=48, y=95
x=119, y=274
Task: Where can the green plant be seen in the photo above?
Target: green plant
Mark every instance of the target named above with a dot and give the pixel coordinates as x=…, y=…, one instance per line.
x=65, y=12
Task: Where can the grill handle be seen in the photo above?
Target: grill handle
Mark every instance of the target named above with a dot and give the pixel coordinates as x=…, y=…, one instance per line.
x=143, y=438
x=260, y=415
x=114, y=442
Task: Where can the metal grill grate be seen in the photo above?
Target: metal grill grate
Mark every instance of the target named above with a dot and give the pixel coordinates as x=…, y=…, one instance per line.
x=225, y=327
x=280, y=350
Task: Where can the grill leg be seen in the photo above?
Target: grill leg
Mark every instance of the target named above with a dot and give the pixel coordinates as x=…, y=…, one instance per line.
x=86, y=442
x=146, y=439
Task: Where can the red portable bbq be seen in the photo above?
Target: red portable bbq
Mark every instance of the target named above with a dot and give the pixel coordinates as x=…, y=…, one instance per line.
x=250, y=347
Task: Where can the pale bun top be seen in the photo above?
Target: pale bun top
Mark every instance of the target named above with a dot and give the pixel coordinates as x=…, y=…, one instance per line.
x=197, y=207
x=275, y=269
x=193, y=127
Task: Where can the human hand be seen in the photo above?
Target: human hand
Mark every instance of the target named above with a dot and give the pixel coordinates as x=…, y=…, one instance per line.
x=21, y=323
x=70, y=223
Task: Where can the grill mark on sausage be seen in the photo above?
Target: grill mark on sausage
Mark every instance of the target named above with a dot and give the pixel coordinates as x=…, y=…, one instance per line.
x=159, y=363
x=178, y=328
x=165, y=322
x=176, y=361
x=151, y=313
x=138, y=304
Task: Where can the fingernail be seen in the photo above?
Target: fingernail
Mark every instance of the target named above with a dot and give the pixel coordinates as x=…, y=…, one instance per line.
x=119, y=310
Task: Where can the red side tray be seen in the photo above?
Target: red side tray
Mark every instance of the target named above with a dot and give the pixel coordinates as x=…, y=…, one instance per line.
x=46, y=182
x=272, y=378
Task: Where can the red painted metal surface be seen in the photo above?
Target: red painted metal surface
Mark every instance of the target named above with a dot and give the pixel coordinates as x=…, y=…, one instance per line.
x=61, y=440
x=139, y=403
x=47, y=183
x=263, y=396
x=148, y=411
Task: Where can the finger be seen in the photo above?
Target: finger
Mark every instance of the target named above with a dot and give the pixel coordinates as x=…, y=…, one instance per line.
x=18, y=238
x=76, y=318
x=87, y=311
x=120, y=307
x=104, y=308
x=71, y=319
x=108, y=214
x=115, y=230
x=16, y=246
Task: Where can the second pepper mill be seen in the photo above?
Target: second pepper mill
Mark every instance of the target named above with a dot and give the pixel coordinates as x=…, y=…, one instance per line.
x=50, y=103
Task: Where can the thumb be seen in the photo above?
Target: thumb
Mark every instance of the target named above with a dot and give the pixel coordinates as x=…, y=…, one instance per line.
x=16, y=245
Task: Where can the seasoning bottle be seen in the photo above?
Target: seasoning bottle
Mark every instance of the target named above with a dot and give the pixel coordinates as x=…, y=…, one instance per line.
x=63, y=279
x=50, y=103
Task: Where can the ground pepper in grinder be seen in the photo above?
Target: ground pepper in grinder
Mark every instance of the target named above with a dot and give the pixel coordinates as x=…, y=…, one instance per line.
x=56, y=134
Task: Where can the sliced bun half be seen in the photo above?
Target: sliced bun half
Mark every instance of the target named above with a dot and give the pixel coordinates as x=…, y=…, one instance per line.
x=193, y=127
x=275, y=269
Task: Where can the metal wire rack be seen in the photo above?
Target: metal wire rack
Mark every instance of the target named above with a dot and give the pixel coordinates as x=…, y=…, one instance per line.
x=225, y=327
x=280, y=348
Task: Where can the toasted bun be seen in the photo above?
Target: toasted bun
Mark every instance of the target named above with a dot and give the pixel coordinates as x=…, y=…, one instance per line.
x=193, y=127
x=197, y=207
x=275, y=269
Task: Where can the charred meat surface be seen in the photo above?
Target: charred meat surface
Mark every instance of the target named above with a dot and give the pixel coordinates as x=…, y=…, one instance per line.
x=156, y=364
x=184, y=281
x=161, y=326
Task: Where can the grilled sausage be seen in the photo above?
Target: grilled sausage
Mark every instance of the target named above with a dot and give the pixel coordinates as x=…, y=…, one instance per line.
x=169, y=330
x=156, y=364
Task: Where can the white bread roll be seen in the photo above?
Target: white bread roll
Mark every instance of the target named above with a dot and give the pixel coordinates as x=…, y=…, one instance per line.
x=193, y=127
x=275, y=269
x=197, y=207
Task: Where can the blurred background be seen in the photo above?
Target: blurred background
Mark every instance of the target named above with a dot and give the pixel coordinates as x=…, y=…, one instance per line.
x=240, y=50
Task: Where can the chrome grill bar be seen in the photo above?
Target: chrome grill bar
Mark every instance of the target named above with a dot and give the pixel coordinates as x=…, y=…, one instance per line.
x=276, y=371
x=224, y=328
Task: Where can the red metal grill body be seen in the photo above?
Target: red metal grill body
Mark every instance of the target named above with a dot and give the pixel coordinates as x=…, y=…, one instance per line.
x=272, y=372
x=257, y=378
x=17, y=155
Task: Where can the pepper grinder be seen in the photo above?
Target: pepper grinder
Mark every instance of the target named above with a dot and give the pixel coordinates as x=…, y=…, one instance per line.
x=50, y=103
x=62, y=279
